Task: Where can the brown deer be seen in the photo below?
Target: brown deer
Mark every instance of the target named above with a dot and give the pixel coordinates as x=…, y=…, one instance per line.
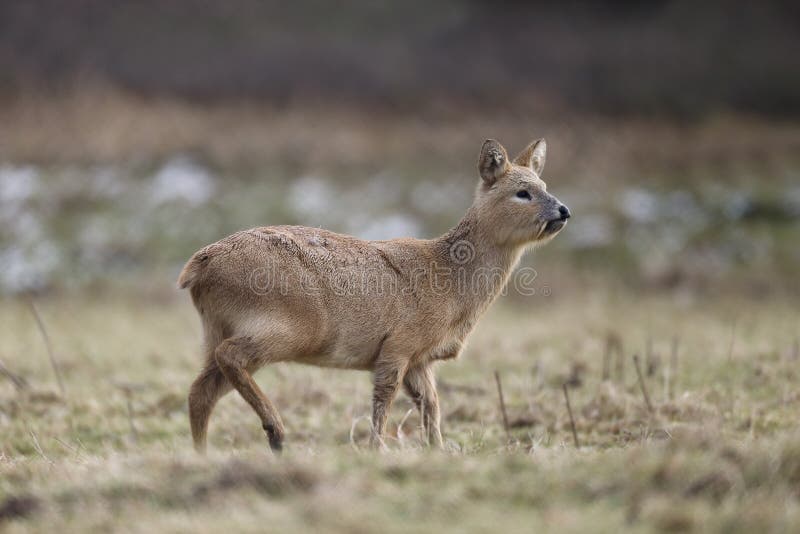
x=395, y=307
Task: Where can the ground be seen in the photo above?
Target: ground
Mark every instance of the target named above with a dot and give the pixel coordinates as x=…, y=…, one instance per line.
x=719, y=451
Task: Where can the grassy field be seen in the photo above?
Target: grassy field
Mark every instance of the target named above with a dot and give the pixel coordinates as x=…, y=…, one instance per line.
x=649, y=385
x=720, y=450
x=682, y=251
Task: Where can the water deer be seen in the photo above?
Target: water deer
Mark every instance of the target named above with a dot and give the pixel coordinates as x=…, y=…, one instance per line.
x=394, y=307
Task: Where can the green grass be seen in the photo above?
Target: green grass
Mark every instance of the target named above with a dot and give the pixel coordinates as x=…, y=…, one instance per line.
x=721, y=454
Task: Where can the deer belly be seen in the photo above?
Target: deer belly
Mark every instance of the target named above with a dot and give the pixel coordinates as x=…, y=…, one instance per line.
x=343, y=357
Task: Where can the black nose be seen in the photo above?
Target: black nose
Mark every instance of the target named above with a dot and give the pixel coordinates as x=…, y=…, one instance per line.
x=564, y=211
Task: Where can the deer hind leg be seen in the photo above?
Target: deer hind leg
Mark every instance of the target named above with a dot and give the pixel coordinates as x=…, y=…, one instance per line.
x=236, y=358
x=206, y=390
x=420, y=385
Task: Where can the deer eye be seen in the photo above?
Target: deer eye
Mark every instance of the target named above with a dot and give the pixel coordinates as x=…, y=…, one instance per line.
x=523, y=194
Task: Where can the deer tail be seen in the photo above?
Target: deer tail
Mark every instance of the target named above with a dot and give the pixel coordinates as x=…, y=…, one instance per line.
x=192, y=270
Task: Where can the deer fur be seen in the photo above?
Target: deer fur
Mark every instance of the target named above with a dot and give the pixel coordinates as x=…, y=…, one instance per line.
x=395, y=307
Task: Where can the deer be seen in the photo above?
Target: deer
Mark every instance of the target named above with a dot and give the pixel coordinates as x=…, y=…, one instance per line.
x=394, y=307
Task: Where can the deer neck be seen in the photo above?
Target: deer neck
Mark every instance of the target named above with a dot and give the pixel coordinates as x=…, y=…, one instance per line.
x=479, y=266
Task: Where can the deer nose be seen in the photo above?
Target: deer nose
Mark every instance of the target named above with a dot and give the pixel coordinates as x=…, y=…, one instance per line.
x=564, y=211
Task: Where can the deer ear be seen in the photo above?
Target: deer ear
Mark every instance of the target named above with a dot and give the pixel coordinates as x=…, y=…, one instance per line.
x=533, y=156
x=493, y=162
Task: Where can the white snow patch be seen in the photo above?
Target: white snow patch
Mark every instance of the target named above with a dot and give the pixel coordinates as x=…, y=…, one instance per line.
x=311, y=196
x=17, y=184
x=27, y=268
x=181, y=179
x=389, y=227
x=589, y=231
x=639, y=205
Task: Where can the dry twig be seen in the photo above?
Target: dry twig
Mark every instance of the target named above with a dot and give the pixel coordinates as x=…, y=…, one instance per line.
x=607, y=358
x=673, y=368
x=502, y=404
x=38, y=447
x=401, y=436
x=571, y=419
x=642, y=385
x=49, y=347
x=733, y=339
x=18, y=380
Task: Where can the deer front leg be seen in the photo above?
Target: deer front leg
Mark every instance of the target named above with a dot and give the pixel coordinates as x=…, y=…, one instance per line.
x=420, y=384
x=388, y=375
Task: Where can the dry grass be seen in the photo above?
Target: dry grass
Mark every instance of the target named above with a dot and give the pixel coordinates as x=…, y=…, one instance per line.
x=95, y=123
x=720, y=454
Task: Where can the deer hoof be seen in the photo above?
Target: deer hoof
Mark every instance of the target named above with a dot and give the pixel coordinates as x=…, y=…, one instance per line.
x=275, y=438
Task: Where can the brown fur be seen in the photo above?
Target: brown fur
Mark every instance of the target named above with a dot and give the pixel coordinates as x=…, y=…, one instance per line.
x=291, y=293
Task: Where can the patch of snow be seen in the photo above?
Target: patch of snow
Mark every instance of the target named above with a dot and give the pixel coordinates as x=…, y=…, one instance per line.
x=107, y=182
x=27, y=268
x=17, y=184
x=639, y=205
x=312, y=197
x=589, y=231
x=388, y=227
x=736, y=205
x=181, y=179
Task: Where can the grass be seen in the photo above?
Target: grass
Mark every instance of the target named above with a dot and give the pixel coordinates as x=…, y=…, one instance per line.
x=717, y=451
x=719, y=454
x=125, y=185
x=254, y=137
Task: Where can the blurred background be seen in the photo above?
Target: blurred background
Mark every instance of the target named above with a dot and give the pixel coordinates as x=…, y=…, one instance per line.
x=133, y=133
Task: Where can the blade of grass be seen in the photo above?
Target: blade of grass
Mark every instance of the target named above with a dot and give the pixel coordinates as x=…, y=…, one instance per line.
x=49, y=347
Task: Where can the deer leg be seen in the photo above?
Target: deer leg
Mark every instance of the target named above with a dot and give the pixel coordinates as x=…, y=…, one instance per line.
x=235, y=356
x=206, y=390
x=388, y=375
x=420, y=384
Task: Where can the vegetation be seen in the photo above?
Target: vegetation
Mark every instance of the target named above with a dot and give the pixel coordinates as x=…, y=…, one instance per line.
x=700, y=207
x=665, y=316
x=718, y=452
